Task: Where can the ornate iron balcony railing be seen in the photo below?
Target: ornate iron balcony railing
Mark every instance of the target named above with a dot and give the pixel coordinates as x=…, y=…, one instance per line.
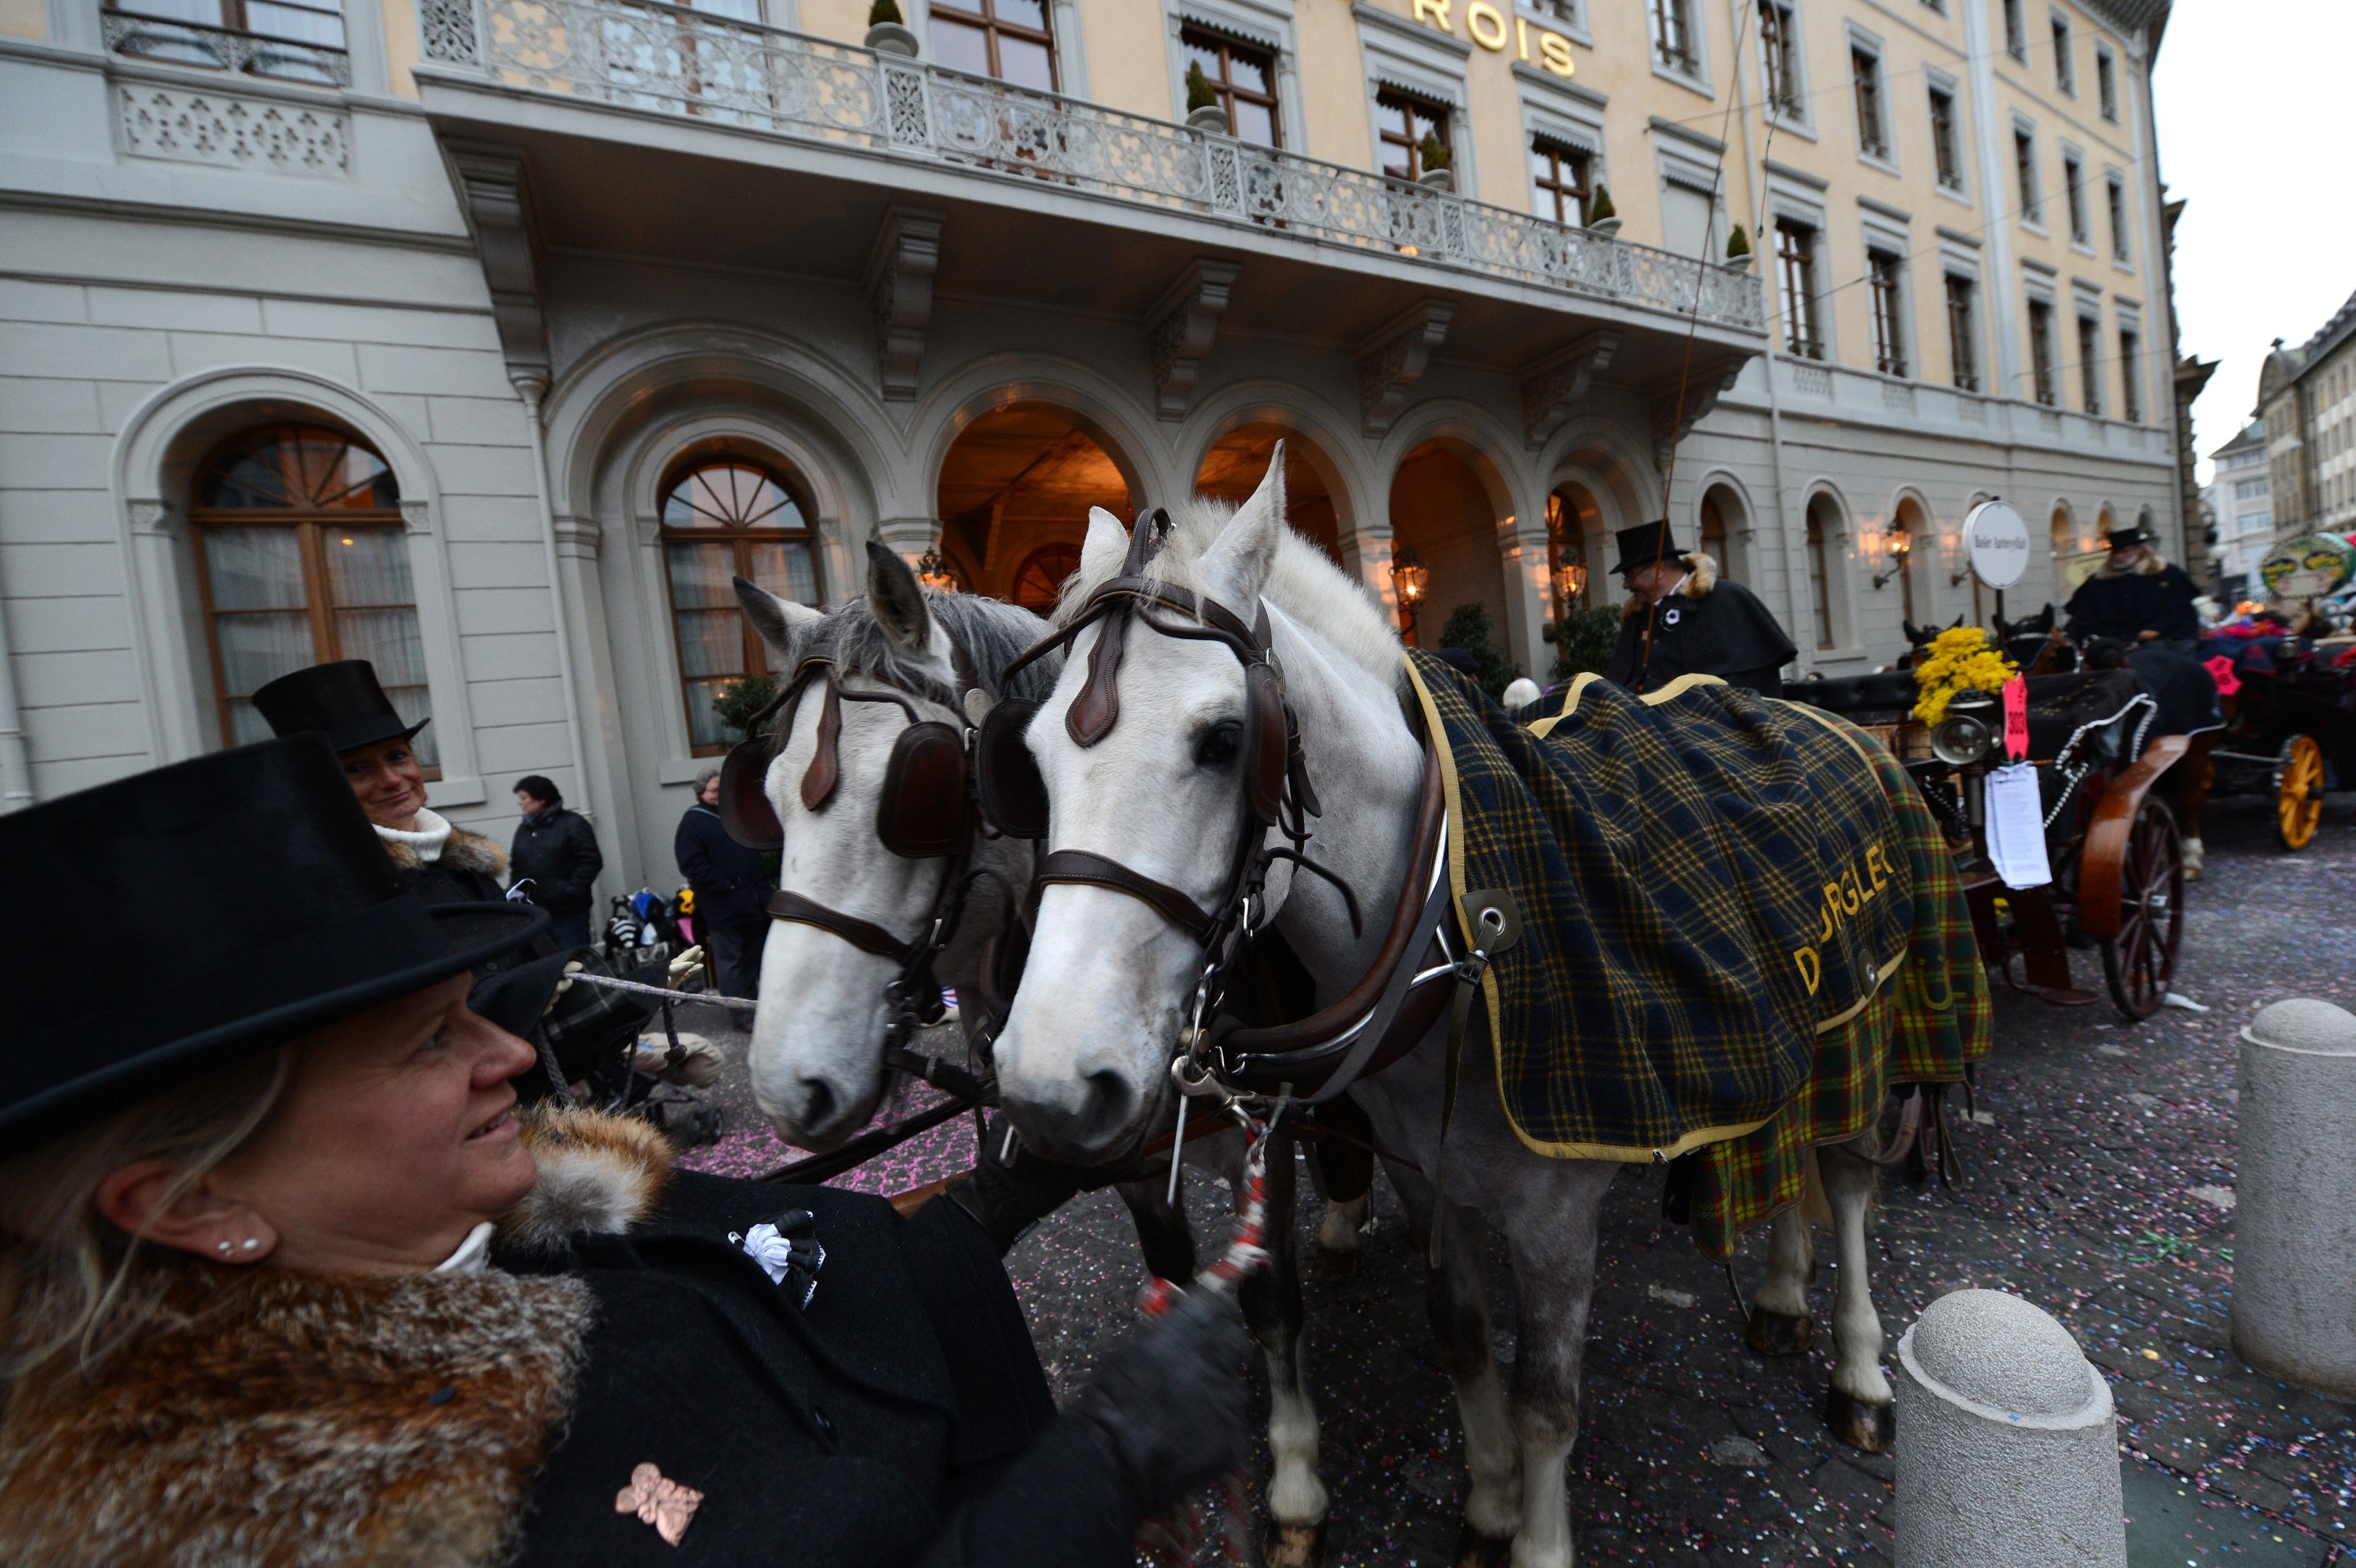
x=671, y=60
x=224, y=48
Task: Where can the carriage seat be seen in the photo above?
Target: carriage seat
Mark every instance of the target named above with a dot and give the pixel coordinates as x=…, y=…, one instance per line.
x=1884, y=698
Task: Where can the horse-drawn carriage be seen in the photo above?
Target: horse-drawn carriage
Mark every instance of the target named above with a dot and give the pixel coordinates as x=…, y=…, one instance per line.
x=2112, y=844
x=2290, y=722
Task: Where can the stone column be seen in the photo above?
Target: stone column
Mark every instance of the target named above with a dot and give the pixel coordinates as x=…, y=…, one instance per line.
x=2008, y=1451
x=2294, y=1211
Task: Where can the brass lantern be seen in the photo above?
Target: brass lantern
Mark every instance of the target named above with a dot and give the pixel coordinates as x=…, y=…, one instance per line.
x=1410, y=577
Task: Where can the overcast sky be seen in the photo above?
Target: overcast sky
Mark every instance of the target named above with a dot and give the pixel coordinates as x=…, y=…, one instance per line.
x=2253, y=100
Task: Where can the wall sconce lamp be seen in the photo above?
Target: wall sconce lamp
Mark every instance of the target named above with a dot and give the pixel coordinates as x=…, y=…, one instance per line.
x=1569, y=581
x=1899, y=545
x=934, y=571
x=1409, y=578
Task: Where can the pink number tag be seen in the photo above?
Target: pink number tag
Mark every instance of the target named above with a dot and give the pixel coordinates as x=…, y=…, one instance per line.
x=2015, y=719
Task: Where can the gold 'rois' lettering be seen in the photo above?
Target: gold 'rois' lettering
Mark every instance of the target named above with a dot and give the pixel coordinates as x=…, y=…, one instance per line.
x=1487, y=24
x=1554, y=51
x=1434, y=11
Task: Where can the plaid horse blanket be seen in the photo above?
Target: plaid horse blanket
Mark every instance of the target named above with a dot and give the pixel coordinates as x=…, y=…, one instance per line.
x=1710, y=884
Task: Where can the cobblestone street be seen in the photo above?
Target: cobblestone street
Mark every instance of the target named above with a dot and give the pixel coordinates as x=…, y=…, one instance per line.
x=2100, y=1187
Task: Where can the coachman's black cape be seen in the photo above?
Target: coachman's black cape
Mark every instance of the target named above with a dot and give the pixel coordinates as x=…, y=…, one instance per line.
x=1709, y=626
x=2132, y=602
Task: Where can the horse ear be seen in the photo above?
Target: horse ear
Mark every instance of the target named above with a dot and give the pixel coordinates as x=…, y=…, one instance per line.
x=1236, y=565
x=896, y=598
x=1105, y=547
x=776, y=619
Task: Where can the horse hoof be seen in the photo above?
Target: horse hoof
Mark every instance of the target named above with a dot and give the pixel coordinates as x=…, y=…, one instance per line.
x=1872, y=1427
x=1296, y=1546
x=1475, y=1550
x=1773, y=1334
x=1334, y=1265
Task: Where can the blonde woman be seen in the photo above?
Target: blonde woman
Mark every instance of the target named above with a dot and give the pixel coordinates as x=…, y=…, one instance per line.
x=286, y=1279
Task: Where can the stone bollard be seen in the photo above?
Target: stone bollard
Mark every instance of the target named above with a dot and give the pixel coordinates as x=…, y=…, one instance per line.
x=2295, y=1196
x=2007, y=1452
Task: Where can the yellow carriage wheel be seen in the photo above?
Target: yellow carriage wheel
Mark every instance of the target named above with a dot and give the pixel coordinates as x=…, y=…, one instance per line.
x=2299, y=798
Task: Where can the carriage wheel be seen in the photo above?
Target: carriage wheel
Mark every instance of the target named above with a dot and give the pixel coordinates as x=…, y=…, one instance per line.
x=2299, y=791
x=2140, y=961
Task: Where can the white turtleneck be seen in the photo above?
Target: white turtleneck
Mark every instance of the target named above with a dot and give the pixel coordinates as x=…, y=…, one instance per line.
x=426, y=840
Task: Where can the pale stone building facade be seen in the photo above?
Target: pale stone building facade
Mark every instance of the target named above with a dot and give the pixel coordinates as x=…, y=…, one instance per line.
x=489, y=338
x=2306, y=401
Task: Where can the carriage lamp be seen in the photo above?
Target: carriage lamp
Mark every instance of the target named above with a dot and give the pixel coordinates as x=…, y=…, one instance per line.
x=1967, y=731
x=1409, y=576
x=1900, y=545
x=934, y=571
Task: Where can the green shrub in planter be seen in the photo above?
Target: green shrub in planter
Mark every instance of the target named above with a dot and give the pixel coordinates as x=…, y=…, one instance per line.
x=740, y=700
x=1200, y=94
x=1582, y=642
x=1429, y=151
x=1601, y=208
x=1737, y=244
x=1467, y=627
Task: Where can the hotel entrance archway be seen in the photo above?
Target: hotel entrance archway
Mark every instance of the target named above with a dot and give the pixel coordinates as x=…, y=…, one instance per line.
x=1014, y=495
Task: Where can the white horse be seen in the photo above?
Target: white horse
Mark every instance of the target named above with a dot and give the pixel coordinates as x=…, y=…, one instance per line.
x=1084, y=1060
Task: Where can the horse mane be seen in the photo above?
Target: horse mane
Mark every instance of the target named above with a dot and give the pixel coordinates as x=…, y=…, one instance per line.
x=1303, y=583
x=994, y=634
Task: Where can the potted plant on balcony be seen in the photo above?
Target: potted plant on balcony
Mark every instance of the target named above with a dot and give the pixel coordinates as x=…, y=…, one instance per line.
x=1205, y=112
x=1737, y=250
x=1603, y=218
x=887, y=33
x=1433, y=156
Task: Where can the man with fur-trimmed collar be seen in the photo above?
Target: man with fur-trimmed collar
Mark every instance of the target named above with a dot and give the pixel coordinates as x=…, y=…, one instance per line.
x=1682, y=618
x=2139, y=596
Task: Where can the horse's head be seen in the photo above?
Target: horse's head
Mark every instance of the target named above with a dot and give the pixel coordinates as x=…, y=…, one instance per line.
x=815, y=1058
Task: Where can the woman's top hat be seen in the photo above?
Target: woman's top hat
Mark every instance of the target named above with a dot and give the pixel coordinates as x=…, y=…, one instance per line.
x=340, y=700
x=1640, y=547
x=217, y=908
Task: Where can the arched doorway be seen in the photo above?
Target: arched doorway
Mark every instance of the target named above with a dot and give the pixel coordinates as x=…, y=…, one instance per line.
x=1824, y=547
x=1721, y=521
x=1909, y=529
x=1017, y=481
x=302, y=558
x=1232, y=467
x=1441, y=513
x=1576, y=557
x=1039, y=581
x=2063, y=528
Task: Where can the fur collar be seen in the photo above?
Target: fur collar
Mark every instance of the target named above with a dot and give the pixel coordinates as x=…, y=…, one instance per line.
x=1701, y=576
x=282, y=1420
x=464, y=851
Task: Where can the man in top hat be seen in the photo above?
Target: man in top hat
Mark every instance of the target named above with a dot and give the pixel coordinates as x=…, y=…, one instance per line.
x=1682, y=618
x=2139, y=595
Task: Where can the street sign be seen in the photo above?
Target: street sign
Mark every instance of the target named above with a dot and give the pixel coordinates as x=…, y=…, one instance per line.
x=1995, y=541
x=2307, y=568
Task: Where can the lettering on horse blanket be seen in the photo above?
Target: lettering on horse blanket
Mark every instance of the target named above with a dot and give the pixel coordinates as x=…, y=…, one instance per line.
x=1929, y=1024
x=1707, y=882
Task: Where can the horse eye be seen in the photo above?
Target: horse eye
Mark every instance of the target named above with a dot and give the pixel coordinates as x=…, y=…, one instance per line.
x=1219, y=745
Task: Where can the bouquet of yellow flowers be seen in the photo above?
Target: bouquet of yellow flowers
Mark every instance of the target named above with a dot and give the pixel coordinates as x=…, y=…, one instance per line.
x=1961, y=659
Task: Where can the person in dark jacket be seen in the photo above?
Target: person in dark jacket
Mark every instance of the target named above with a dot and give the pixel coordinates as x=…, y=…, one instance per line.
x=285, y=1278
x=1682, y=618
x=2139, y=596
x=732, y=892
x=554, y=860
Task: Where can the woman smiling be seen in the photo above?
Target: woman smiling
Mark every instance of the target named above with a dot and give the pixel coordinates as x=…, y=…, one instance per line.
x=285, y=1276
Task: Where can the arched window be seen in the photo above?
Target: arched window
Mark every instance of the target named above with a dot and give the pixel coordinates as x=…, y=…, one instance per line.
x=1042, y=576
x=301, y=559
x=1819, y=570
x=1713, y=530
x=1908, y=527
x=1569, y=587
x=721, y=519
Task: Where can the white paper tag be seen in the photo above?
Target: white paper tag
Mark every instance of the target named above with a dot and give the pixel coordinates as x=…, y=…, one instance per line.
x=2016, y=828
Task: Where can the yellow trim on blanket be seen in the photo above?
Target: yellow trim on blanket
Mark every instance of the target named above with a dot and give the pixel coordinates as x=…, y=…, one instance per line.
x=1623, y=1153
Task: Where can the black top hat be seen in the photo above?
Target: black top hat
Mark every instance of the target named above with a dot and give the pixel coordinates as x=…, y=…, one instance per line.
x=219, y=907
x=340, y=700
x=2119, y=539
x=1643, y=545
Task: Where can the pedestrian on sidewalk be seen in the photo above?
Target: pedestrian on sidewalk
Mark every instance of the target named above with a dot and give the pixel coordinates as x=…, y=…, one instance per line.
x=732, y=893
x=554, y=859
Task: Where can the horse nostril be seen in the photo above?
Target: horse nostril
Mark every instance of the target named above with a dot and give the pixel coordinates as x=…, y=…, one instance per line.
x=818, y=1103
x=1106, y=1113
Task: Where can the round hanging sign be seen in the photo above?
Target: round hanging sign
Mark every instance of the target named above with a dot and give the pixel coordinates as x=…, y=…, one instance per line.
x=1996, y=540
x=2307, y=568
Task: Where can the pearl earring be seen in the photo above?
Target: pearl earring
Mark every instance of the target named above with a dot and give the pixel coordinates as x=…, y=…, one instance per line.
x=249, y=1244
x=222, y=1246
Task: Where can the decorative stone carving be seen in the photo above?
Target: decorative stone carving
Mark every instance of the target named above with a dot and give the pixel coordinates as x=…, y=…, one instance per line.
x=1552, y=388
x=233, y=132
x=417, y=518
x=151, y=516
x=449, y=28
x=498, y=203
x=1179, y=330
x=1703, y=387
x=580, y=539
x=900, y=288
x=1391, y=361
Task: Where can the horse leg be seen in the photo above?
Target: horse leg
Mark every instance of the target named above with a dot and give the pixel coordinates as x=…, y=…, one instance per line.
x=1553, y=1245
x=1458, y=1310
x=1163, y=1233
x=2194, y=774
x=1343, y=1173
x=1273, y=1306
x=1780, y=1322
x=1860, y=1407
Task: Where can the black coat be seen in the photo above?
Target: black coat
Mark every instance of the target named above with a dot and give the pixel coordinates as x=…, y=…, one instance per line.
x=731, y=882
x=1722, y=630
x=558, y=851
x=2133, y=603
x=901, y=1418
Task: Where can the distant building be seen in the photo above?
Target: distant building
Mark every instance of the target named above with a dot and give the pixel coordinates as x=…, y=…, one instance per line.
x=2241, y=505
x=2307, y=402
